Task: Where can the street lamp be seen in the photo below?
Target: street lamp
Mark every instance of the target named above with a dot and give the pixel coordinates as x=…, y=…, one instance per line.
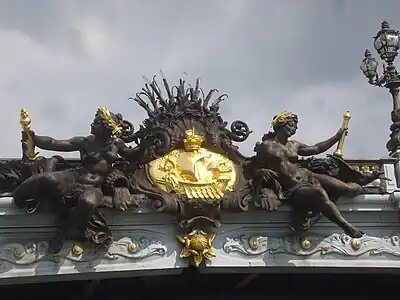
x=387, y=44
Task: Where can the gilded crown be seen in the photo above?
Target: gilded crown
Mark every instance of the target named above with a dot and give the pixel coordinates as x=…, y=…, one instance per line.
x=192, y=141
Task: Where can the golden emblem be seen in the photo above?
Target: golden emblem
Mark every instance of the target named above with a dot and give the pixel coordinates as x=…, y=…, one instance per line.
x=197, y=245
x=194, y=171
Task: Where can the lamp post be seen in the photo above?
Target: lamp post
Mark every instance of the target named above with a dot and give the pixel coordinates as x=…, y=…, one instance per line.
x=387, y=44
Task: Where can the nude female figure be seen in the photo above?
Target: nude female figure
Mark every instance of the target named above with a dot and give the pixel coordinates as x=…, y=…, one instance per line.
x=98, y=152
x=304, y=189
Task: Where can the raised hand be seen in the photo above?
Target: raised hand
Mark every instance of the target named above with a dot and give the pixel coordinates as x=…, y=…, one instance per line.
x=340, y=132
x=25, y=136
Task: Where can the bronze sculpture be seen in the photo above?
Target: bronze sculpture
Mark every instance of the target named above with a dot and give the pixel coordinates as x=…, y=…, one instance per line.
x=185, y=163
x=278, y=176
x=81, y=187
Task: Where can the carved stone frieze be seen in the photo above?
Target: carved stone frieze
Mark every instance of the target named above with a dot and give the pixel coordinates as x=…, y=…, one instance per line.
x=19, y=254
x=248, y=245
x=339, y=244
x=138, y=248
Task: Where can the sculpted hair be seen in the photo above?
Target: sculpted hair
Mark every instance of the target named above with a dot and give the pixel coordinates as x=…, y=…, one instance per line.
x=272, y=134
x=117, y=118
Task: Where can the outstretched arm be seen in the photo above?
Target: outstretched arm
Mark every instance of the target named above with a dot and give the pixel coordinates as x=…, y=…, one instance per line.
x=321, y=147
x=48, y=143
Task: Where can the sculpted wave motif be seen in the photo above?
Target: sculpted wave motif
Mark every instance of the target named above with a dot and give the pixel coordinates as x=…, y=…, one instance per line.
x=248, y=245
x=130, y=248
x=340, y=244
x=343, y=245
x=139, y=248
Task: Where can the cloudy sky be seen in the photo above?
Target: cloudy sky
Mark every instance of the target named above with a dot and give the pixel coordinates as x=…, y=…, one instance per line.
x=61, y=59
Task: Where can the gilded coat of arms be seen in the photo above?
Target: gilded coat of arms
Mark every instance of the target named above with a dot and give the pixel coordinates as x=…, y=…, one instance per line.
x=195, y=172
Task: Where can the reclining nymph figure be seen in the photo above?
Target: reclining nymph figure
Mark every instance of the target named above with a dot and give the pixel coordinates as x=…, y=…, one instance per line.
x=85, y=183
x=276, y=176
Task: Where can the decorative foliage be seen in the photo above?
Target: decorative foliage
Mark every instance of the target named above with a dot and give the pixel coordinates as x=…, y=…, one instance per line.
x=178, y=100
x=184, y=107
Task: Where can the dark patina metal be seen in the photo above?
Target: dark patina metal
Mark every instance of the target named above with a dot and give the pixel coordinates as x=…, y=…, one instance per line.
x=112, y=175
x=387, y=44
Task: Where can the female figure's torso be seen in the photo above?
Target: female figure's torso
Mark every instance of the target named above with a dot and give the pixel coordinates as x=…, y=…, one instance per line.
x=282, y=158
x=97, y=159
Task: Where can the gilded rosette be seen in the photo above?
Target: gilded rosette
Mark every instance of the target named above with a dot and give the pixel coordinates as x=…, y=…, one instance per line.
x=198, y=245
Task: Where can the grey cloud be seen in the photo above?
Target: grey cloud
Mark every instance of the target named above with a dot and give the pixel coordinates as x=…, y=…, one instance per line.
x=61, y=59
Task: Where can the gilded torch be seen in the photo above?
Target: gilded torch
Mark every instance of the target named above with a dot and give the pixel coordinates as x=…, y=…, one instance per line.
x=25, y=122
x=345, y=126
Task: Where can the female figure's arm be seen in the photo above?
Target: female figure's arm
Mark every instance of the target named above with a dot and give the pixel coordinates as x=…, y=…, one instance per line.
x=129, y=153
x=51, y=144
x=321, y=147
